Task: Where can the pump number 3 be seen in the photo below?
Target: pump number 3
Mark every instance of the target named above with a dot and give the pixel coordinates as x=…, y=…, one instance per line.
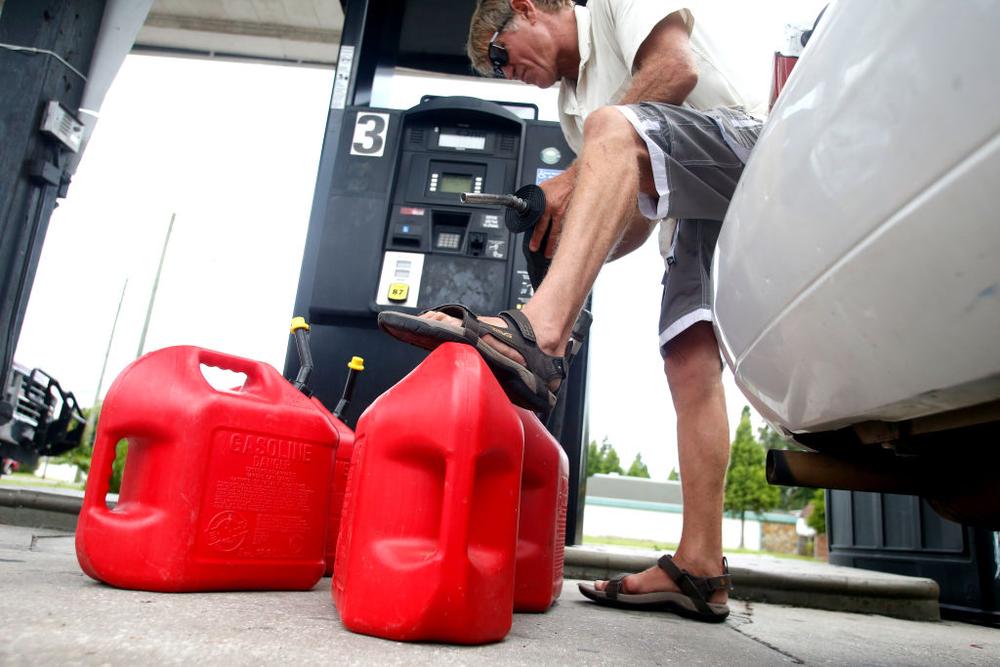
x=369, y=134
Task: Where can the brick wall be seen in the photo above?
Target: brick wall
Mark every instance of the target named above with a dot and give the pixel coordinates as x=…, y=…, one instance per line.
x=779, y=537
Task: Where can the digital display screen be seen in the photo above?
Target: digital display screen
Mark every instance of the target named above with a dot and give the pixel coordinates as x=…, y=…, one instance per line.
x=461, y=141
x=455, y=183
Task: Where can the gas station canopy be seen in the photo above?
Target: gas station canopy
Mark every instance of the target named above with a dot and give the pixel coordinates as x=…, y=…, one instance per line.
x=304, y=32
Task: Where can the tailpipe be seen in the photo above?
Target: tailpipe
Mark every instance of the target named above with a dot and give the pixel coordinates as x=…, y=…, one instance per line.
x=960, y=488
x=887, y=474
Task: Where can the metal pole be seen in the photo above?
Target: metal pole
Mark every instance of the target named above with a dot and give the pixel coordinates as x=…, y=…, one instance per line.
x=107, y=352
x=92, y=415
x=156, y=284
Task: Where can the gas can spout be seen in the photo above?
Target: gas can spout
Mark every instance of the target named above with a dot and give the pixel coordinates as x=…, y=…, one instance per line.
x=355, y=366
x=300, y=330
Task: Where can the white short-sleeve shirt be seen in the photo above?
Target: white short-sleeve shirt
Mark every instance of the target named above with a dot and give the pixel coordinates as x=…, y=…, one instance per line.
x=610, y=33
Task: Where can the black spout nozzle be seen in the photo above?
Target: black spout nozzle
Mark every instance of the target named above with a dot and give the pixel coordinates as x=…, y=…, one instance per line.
x=300, y=330
x=355, y=366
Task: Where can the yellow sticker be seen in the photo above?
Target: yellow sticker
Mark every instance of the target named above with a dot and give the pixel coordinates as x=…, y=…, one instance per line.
x=398, y=292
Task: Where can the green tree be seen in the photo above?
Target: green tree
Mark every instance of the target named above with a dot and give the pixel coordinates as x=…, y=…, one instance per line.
x=771, y=439
x=674, y=476
x=118, y=467
x=593, y=459
x=603, y=459
x=611, y=461
x=638, y=468
x=817, y=519
x=792, y=497
x=747, y=489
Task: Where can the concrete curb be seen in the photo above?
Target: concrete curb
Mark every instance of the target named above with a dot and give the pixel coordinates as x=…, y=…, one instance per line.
x=30, y=497
x=38, y=508
x=834, y=588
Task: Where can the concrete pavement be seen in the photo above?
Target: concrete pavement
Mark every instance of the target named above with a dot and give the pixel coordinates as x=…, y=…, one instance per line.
x=756, y=578
x=50, y=612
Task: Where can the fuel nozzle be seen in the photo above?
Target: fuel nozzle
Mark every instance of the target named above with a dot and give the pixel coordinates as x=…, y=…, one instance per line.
x=300, y=330
x=354, y=366
x=524, y=207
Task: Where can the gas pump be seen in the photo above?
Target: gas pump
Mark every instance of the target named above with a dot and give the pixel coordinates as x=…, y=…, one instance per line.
x=398, y=236
x=388, y=229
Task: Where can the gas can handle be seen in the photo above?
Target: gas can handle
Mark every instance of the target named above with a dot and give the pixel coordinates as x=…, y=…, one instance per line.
x=258, y=375
x=105, y=445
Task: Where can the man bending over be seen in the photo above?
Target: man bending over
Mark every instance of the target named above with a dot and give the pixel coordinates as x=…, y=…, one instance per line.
x=661, y=136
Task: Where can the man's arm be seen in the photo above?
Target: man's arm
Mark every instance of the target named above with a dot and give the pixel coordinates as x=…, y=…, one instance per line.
x=664, y=68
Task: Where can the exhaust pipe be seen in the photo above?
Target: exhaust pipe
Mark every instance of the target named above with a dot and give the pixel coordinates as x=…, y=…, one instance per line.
x=958, y=491
x=887, y=474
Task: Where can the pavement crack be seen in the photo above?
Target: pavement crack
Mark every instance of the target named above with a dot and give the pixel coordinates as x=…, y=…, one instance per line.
x=748, y=620
x=36, y=538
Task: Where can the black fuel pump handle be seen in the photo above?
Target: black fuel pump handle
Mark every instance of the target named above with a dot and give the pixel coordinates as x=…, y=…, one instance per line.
x=534, y=198
x=524, y=208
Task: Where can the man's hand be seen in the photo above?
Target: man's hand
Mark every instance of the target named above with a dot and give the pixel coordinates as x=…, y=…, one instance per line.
x=558, y=191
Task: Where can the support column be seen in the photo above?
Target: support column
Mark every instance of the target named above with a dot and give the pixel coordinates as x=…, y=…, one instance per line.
x=46, y=47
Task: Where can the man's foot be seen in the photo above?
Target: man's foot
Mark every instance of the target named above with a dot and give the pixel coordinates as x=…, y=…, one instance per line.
x=528, y=374
x=673, y=589
x=655, y=580
x=493, y=341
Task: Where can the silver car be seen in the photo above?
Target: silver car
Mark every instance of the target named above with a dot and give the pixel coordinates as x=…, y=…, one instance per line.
x=857, y=276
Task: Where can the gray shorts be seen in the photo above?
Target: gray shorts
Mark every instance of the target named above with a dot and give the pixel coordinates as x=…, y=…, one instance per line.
x=697, y=159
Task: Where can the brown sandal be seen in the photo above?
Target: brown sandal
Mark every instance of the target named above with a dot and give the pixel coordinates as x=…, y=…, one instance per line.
x=527, y=385
x=691, y=602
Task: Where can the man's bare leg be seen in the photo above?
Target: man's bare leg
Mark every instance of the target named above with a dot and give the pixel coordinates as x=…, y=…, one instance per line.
x=693, y=372
x=599, y=224
x=613, y=166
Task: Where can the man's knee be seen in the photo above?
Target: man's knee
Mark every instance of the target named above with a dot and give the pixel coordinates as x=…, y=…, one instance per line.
x=692, y=364
x=608, y=126
x=608, y=123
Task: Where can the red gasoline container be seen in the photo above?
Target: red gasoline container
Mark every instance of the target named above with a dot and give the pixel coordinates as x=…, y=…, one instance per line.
x=341, y=467
x=541, y=535
x=222, y=490
x=782, y=69
x=427, y=547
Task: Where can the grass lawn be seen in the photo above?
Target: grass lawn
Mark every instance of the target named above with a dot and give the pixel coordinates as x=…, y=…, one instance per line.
x=28, y=479
x=665, y=546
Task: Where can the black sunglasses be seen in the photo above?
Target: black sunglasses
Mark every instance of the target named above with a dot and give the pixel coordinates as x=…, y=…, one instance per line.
x=498, y=54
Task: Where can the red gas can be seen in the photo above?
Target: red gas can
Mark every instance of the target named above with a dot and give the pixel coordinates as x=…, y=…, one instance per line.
x=541, y=535
x=222, y=490
x=341, y=467
x=427, y=548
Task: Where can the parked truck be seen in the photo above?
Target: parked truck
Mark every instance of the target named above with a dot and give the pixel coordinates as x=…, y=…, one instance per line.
x=37, y=418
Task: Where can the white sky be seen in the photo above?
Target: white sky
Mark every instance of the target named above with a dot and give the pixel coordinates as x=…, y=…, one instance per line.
x=233, y=149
